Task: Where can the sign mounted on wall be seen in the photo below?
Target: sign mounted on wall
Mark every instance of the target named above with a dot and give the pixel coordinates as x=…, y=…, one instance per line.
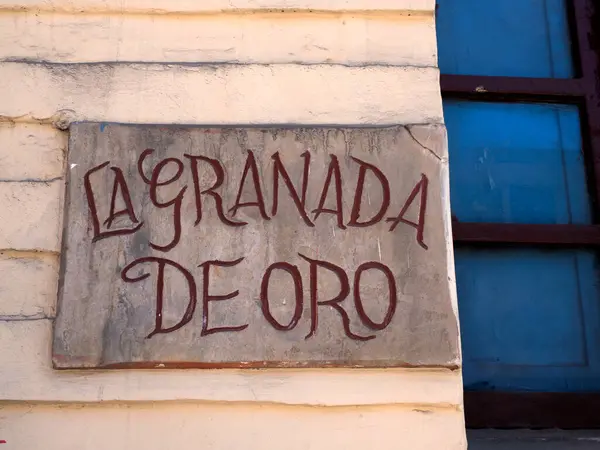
x=255, y=247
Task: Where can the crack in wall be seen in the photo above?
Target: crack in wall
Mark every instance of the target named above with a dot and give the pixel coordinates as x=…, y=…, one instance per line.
x=430, y=150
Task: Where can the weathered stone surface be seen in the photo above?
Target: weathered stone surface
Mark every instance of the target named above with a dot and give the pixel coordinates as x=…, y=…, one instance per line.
x=153, y=274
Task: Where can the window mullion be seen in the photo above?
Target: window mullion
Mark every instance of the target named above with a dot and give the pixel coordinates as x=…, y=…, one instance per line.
x=535, y=234
x=532, y=88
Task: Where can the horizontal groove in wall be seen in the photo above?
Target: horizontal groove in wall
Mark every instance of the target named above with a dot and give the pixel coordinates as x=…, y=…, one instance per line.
x=289, y=13
x=219, y=94
x=221, y=6
x=30, y=180
x=246, y=39
x=26, y=253
x=371, y=407
x=209, y=64
x=23, y=318
x=13, y=253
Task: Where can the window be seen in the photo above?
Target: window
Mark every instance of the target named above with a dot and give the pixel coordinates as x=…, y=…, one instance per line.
x=521, y=89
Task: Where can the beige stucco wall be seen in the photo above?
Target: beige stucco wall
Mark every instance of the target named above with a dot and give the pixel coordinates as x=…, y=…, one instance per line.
x=342, y=62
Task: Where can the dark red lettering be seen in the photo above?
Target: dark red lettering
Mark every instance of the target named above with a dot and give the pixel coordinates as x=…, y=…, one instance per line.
x=207, y=298
x=120, y=184
x=176, y=202
x=421, y=186
x=358, y=193
x=279, y=169
x=220, y=177
x=334, y=302
x=332, y=172
x=160, y=283
x=264, y=295
x=260, y=201
x=393, y=299
x=89, y=192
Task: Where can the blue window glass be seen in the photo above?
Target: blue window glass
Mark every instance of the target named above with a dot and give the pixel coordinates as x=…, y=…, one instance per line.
x=529, y=316
x=530, y=319
x=516, y=163
x=524, y=38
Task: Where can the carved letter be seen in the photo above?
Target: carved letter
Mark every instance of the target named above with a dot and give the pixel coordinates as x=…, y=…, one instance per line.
x=385, y=202
x=121, y=184
x=278, y=168
x=420, y=226
x=89, y=192
x=206, y=297
x=160, y=282
x=175, y=202
x=220, y=177
x=264, y=295
x=334, y=302
x=332, y=171
x=260, y=202
x=392, y=295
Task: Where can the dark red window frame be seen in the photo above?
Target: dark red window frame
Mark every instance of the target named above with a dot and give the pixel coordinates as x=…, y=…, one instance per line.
x=542, y=410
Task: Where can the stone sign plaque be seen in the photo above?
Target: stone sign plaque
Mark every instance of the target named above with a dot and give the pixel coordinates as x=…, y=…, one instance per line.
x=255, y=247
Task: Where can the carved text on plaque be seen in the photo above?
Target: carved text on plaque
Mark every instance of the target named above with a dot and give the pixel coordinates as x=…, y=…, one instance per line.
x=254, y=247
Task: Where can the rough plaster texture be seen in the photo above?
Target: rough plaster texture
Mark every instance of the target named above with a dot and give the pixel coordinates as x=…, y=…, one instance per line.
x=28, y=285
x=30, y=214
x=31, y=152
x=265, y=38
x=183, y=426
x=221, y=94
x=105, y=320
